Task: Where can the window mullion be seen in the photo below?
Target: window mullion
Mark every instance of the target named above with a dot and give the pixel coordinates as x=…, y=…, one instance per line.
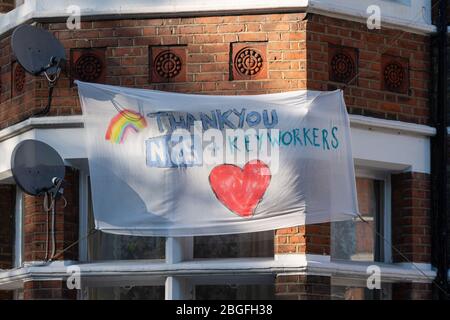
x=18, y=238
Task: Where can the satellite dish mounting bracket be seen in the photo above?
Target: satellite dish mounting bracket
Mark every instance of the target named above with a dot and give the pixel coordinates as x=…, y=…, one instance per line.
x=51, y=80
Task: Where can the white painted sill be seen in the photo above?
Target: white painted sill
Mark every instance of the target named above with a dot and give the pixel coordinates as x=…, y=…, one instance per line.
x=143, y=269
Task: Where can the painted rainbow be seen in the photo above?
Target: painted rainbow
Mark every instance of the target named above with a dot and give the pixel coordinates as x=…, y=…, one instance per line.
x=124, y=123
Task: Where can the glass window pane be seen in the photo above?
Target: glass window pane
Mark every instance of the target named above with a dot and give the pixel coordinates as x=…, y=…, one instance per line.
x=103, y=246
x=258, y=244
x=405, y=2
x=359, y=240
x=127, y=293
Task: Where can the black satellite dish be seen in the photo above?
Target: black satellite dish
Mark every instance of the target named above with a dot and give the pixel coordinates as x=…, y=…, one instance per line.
x=40, y=54
x=37, y=50
x=36, y=167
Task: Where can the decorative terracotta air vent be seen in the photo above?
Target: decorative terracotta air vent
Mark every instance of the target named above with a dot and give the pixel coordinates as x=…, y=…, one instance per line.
x=167, y=64
x=88, y=65
x=343, y=64
x=248, y=61
x=18, y=78
x=395, y=77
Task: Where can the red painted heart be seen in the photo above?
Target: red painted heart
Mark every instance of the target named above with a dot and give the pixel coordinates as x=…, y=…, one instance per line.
x=240, y=190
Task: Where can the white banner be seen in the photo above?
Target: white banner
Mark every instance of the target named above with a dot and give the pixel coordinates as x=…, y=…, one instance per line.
x=170, y=164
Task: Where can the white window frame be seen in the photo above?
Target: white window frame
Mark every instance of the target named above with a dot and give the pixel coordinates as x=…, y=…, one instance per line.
x=18, y=226
x=83, y=216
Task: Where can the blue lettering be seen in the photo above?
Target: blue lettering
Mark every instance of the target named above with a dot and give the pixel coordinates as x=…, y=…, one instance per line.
x=241, y=116
x=334, y=141
x=190, y=119
x=253, y=118
x=170, y=151
x=284, y=134
x=247, y=143
x=232, y=142
x=272, y=140
x=306, y=137
x=324, y=139
x=207, y=121
x=174, y=124
x=297, y=137
x=157, y=152
x=158, y=119
x=315, y=136
x=260, y=138
x=266, y=119
x=223, y=119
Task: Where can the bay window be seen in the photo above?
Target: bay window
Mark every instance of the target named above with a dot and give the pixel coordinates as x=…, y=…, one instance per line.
x=351, y=241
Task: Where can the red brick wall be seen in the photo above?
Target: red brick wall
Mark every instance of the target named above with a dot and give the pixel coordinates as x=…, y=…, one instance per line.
x=411, y=232
x=6, y=5
x=14, y=107
x=302, y=287
x=127, y=53
x=365, y=95
x=49, y=289
x=297, y=56
x=308, y=239
x=66, y=225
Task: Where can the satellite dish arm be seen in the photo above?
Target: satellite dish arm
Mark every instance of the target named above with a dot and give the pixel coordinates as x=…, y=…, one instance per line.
x=46, y=110
x=51, y=84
